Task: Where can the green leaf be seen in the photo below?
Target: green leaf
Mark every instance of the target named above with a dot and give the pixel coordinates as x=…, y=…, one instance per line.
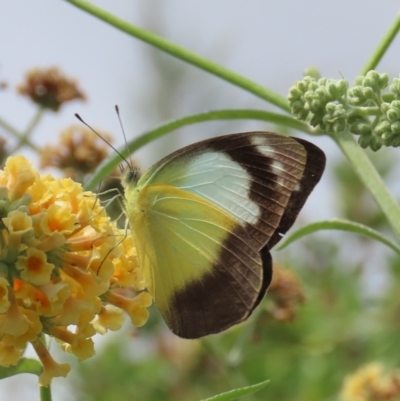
x=25, y=365
x=239, y=392
x=339, y=224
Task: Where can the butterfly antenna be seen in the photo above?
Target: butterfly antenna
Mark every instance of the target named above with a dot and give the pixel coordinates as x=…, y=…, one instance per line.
x=123, y=133
x=105, y=140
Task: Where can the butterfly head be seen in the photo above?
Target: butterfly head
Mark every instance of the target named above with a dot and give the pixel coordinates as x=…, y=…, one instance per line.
x=131, y=176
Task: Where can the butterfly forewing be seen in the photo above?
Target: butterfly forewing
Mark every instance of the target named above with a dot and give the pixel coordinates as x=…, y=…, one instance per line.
x=205, y=217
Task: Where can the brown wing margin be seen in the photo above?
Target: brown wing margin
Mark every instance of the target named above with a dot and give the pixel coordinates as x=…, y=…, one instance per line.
x=227, y=294
x=313, y=170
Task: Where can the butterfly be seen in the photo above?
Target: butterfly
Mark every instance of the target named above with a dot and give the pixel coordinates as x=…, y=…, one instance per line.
x=205, y=218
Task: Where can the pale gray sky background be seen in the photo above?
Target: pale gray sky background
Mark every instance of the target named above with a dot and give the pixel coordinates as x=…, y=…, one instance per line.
x=268, y=42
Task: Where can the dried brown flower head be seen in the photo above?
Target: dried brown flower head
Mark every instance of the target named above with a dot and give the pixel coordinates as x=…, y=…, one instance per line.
x=78, y=153
x=286, y=293
x=50, y=88
x=370, y=383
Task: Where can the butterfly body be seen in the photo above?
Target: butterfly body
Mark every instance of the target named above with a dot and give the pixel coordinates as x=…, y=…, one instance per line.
x=205, y=217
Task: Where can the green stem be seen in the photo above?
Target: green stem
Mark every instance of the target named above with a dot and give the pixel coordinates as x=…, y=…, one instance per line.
x=358, y=158
x=370, y=177
x=184, y=54
x=366, y=111
x=382, y=46
x=24, y=138
x=11, y=130
x=45, y=393
x=107, y=166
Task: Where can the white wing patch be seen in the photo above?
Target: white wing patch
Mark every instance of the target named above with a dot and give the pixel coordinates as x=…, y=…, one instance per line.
x=269, y=151
x=222, y=181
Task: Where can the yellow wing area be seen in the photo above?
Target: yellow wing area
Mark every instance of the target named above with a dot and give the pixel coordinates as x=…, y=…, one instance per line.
x=180, y=239
x=205, y=217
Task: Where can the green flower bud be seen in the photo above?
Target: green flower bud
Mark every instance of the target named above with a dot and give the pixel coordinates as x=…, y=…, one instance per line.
x=395, y=105
x=339, y=126
x=372, y=79
x=395, y=141
x=364, y=141
x=321, y=93
x=385, y=107
x=315, y=120
x=314, y=102
x=295, y=93
x=368, y=93
x=336, y=89
x=383, y=80
x=312, y=72
x=356, y=96
x=330, y=107
x=360, y=129
x=316, y=105
x=298, y=110
x=390, y=139
x=340, y=111
x=359, y=80
x=393, y=115
x=395, y=88
x=375, y=143
x=395, y=127
x=301, y=86
x=334, y=111
x=313, y=85
x=382, y=127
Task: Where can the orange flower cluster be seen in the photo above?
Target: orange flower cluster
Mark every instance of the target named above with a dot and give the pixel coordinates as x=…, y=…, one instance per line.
x=63, y=264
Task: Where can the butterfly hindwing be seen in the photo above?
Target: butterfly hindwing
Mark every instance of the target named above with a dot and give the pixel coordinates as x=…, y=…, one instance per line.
x=205, y=217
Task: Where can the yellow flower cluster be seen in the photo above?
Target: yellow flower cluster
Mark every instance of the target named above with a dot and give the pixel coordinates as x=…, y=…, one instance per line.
x=372, y=383
x=65, y=268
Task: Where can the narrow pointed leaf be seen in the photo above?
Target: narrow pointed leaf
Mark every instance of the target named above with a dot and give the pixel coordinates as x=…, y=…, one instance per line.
x=239, y=392
x=343, y=225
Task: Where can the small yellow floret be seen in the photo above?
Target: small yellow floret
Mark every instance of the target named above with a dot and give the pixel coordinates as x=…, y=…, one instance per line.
x=34, y=267
x=50, y=367
x=17, y=176
x=109, y=318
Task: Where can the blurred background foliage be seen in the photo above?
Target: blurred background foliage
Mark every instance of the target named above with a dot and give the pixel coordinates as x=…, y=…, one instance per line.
x=329, y=312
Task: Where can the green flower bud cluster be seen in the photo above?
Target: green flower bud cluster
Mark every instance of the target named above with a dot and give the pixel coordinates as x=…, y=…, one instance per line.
x=333, y=107
x=321, y=100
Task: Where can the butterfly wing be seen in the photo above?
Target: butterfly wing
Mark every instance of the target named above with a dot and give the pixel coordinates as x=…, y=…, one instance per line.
x=205, y=217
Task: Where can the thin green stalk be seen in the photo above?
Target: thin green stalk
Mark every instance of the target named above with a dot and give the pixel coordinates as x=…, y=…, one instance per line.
x=45, y=393
x=24, y=138
x=110, y=163
x=184, y=54
x=366, y=171
x=11, y=130
x=382, y=46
